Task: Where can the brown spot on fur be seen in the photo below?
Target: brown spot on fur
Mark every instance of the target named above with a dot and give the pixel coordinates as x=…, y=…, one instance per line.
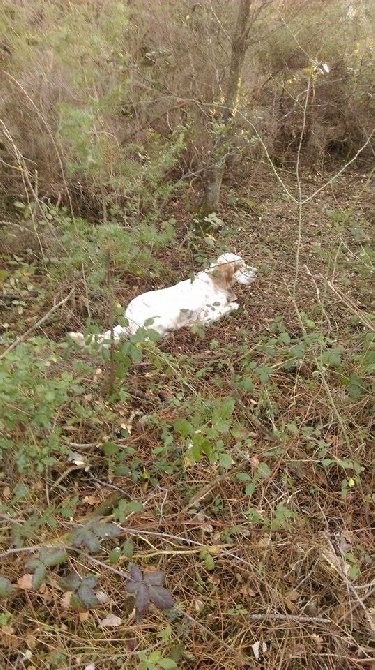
x=223, y=275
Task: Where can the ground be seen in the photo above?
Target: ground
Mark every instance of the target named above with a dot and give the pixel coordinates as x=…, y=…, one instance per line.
x=238, y=460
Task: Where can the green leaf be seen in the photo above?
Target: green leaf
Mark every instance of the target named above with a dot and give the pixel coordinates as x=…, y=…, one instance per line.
x=85, y=592
x=114, y=555
x=183, y=427
x=83, y=536
x=246, y=384
x=104, y=530
x=39, y=576
x=250, y=488
x=263, y=471
x=124, y=508
x=167, y=664
x=128, y=548
x=6, y=587
x=136, y=354
x=332, y=357
x=226, y=407
x=71, y=582
x=355, y=387
x=243, y=476
x=207, y=559
x=110, y=448
x=53, y=557
x=264, y=373
x=226, y=461
x=284, y=337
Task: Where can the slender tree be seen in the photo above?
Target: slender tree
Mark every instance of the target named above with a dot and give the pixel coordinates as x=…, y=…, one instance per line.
x=224, y=128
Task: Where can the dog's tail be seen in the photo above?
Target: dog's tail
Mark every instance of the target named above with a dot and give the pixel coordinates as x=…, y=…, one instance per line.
x=78, y=338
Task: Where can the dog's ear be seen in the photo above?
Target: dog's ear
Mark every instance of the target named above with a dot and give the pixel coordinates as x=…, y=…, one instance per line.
x=223, y=274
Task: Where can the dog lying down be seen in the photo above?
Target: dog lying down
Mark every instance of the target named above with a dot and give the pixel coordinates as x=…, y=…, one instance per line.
x=203, y=300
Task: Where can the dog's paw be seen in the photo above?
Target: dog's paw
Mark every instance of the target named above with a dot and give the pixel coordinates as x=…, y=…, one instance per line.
x=234, y=305
x=77, y=338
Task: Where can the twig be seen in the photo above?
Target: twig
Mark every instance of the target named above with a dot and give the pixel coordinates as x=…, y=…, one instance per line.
x=19, y=550
x=44, y=318
x=51, y=136
x=336, y=565
x=299, y=186
x=101, y=564
x=350, y=304
x=335, y=176
x=298, y=618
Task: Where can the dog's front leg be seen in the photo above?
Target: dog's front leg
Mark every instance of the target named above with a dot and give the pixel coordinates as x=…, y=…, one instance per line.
x=219, y=311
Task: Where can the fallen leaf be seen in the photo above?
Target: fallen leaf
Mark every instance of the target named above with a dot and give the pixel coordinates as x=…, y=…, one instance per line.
x=254, y=460
x=198, y=605
x=110, y=621
x=258, y=647
x=31, y=641
x=7, y=637
x=102, y=597
x=84, y=616
x=298, y=651
x=318, y=641
x=90, y=500
x=66, y=600
x=247, y=591
x=25, y=582
x=292, y=595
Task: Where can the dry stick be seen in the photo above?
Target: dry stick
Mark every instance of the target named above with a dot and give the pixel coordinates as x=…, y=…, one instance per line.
x=323, y=379
x=299, y=186
x=359, y=601
x=298, y=618
x=21, y=550
x=44, y=318
x=25, y=175
x=344, y=167
x=350, y=304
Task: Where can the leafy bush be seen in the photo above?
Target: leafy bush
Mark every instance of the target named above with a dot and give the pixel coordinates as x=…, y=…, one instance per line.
x=32, y=399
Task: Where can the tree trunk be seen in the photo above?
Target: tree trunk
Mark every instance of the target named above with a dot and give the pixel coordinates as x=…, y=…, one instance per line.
x=215, y=171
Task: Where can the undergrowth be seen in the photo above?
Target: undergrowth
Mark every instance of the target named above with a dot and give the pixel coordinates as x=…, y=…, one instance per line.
x=203, y=501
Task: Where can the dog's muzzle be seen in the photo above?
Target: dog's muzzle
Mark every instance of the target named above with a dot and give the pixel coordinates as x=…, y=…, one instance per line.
x=245, y=275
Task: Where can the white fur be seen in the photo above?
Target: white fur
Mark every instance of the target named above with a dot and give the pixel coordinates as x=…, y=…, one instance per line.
x=203, y=300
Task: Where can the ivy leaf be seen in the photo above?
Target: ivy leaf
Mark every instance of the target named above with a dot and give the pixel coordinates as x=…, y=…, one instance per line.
x=71, y=582
x=39, y=572
x=85, y=592
x=154, y=578
x=135, y=573
x=85, y=537
x=148, y=589
x=161, y=597
x=141, y=601
x=106, y=530
x=82, y=589
x=53, y=557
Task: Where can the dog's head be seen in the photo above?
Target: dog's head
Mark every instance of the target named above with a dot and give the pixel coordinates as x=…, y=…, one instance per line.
x=230, y=269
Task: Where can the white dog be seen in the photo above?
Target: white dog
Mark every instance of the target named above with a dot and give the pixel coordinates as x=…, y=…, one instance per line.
x=203, y=300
